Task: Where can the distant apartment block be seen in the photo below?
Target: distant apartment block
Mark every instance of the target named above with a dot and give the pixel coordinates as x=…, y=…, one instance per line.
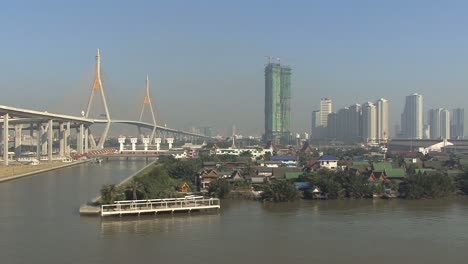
x=457, y=129
x=412, y=117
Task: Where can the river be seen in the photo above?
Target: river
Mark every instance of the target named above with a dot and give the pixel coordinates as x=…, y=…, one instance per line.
x=39, y=223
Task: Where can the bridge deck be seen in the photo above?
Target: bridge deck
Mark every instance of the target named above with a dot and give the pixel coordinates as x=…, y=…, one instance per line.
x=154, y=206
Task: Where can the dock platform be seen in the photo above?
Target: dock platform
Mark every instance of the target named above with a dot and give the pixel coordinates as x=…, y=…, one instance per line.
x=154, y=206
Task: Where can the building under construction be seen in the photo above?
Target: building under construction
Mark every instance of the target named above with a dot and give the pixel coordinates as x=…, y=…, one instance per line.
x=277, y=103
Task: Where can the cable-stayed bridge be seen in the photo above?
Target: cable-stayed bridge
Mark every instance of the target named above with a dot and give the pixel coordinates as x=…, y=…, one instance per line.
x=43, y=125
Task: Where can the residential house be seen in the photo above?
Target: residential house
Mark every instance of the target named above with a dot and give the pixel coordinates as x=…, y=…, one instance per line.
x=264, y=171
x=328, y=162
x=288, y=161
x=206, y=176
x=236, y=176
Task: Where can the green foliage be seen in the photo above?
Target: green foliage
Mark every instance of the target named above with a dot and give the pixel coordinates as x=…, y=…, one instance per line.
x=241, y=185
x=110, y=193
x=462, y=182
x=330, y=184
x=134, y=189
x=420, y=186
x=219, y=188
x=183, y=169
x=280, y=191
x=411, y=169
x=304, y=159
x=357, y=186
x=158, y=184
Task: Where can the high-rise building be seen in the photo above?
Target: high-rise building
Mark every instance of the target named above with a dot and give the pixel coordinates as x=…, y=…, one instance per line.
x=316, y=129
x=277, y=102
x=332, y=128
x=458, y=123
x=412, y=117
x=355, y=123
x=445, y=124
x=439, y=123
x=434, y=123
x=369, y=122
x=325, y=109
x=382, y=120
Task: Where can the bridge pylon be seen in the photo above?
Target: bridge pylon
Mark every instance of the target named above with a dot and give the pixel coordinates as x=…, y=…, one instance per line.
x=98, y=88
x=147, y=101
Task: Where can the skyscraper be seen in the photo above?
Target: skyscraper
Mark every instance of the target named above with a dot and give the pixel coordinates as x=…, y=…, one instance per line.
x=439, y=123
x=445, y=124
x=355, y=123
x=434, y=123
x=277, y=102
x=382, y=120
x=412, y=117
x=316, y=128
x=325, y=109
x=458, y=123
x=369, y=122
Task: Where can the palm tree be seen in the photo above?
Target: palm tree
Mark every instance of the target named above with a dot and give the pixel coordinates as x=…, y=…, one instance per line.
x=110, y=193
x=134, y=186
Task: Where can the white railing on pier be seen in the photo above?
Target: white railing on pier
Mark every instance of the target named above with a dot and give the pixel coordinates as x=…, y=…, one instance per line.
x=188, y=203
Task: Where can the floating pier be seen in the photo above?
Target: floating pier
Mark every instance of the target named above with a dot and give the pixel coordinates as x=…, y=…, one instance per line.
x=154, y=206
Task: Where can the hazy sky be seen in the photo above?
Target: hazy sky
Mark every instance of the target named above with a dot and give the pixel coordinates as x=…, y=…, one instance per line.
x=206, y=58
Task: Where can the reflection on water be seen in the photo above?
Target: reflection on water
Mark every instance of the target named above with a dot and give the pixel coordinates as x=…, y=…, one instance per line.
x=151, y=224
x=39, y=223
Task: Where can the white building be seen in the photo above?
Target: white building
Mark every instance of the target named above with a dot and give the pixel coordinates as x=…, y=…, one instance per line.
x=325, y=109
x=382, y=120
x=256, y=152
x=439, y=122
x=328, y=162
x=369, y=122
x=445, y=124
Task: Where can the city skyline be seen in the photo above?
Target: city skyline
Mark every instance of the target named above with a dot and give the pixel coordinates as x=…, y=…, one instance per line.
x=352, y=52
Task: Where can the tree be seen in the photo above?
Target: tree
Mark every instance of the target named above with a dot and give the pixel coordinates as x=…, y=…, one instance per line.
x=110, y=193
x=219, y=188
x=418, y=186
x=280, y=191
x=357, y=186
x=134, y=187
x=462, y=182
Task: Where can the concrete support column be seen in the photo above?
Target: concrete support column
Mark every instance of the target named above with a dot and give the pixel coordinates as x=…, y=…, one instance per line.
x=5, y=139
x=18, y=140
x=145, y=143
x=133, y=141
x=86, y=141
x=61, y=140
x=50, y=139
x=38, y=141
x=66, y=142
x=121, y=144
x=170, y=141
x=158, y=143
x=43, y=139
x=79, y=138
x=31, y=133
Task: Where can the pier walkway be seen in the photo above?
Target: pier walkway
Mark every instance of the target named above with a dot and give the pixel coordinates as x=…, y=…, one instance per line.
x=137, y=207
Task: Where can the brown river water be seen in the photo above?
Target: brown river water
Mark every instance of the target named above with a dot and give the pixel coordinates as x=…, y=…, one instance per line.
x=39, y=223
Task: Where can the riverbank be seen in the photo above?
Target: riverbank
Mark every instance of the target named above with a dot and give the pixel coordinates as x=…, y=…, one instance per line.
x=13, y=172
x=91, y=208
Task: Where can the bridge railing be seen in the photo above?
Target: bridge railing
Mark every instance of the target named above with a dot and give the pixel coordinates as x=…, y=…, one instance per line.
x=188, y=202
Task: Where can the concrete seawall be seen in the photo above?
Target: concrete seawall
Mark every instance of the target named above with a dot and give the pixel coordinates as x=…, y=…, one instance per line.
x=31, y=173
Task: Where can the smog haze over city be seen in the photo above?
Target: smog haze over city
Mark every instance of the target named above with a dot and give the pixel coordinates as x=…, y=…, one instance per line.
x=206, y=59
